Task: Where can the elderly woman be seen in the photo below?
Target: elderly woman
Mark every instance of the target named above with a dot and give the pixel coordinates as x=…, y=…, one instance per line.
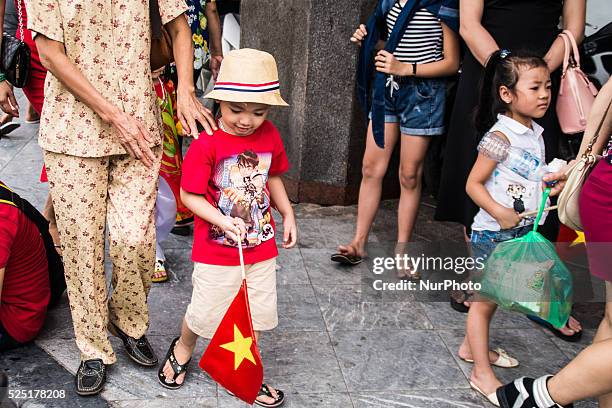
x=100, y=133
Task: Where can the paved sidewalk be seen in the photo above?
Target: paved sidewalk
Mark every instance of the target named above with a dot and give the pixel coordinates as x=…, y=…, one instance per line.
x=334, y=347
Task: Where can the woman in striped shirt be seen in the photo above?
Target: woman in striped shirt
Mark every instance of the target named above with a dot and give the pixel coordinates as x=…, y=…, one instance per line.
x=414, y=101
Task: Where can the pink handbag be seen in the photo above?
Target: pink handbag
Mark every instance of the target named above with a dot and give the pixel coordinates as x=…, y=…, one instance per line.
x=577, y=93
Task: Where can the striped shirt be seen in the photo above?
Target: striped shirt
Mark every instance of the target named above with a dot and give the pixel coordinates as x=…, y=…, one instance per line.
x=422, y=40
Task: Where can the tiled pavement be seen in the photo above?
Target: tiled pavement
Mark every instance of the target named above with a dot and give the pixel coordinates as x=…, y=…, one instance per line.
x=334, y=347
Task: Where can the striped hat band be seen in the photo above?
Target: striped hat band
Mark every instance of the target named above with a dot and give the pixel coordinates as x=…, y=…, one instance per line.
x=242, y=87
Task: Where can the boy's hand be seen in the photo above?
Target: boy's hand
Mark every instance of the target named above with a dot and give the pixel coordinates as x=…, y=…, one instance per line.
x=359, y=35
x=289, y=232
x=507, y=217
x=233, y=227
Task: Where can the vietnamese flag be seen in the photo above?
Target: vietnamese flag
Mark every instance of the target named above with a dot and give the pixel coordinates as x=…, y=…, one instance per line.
x=232, y=358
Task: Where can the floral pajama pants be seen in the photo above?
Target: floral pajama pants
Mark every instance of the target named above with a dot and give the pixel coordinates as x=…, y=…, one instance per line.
x=88, y=194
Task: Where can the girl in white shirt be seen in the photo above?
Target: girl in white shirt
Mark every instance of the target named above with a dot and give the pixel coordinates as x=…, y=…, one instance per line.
x=515, y=90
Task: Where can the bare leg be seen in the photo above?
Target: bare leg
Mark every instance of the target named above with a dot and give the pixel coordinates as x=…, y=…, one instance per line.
x=375, y=163
x=413, y=150
x=265, y=398
x=183, y=351
x=588, y=375
x=604, y=331
x=477, y=339
x=31, y=114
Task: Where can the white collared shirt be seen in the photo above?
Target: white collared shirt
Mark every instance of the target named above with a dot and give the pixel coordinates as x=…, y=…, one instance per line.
x=507, y=187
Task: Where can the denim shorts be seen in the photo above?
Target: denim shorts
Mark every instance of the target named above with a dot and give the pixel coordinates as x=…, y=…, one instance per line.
x=417, y=104
x=484, y=242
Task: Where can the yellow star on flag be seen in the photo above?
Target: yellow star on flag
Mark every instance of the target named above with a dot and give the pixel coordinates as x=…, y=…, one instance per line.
x=241, y=347
x=580, y=239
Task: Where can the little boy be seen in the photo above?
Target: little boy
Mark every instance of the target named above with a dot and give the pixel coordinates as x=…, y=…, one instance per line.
x=229, y=181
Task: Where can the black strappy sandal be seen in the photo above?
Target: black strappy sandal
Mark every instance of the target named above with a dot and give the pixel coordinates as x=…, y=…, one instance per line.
x=176, y=367
x=265, y=391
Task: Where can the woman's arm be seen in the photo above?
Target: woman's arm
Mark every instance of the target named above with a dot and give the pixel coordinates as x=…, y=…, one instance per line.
x=133, y=136
x=214, y=37
x=188, y=108
x=477, y=38
x=595, y=118
x=387, y=63
x=574, y=15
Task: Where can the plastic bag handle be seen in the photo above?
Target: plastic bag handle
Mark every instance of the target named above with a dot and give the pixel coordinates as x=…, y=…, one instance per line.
x=541, y=210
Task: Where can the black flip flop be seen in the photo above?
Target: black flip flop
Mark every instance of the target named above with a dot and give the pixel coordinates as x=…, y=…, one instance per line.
x=265, y=391
x=8, y=128
x=460, y=306
x=176, y=367
x=572, y=339
x=351, y=260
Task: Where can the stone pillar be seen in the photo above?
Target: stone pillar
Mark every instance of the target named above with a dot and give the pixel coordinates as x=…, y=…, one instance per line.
x=324, y=128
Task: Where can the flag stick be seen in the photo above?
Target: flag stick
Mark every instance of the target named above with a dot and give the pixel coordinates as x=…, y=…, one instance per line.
x=241, y=258
x=530, y=213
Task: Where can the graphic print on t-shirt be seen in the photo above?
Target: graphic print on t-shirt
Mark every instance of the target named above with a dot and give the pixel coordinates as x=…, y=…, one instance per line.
x=241, y=182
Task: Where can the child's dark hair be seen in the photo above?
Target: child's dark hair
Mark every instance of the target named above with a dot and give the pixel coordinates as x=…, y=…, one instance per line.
x=503, y=68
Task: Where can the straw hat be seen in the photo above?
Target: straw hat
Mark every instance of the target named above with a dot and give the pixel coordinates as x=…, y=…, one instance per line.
x=248, y=75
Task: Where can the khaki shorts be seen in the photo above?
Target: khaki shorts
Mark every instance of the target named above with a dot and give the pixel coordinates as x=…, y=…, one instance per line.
x=216, y=286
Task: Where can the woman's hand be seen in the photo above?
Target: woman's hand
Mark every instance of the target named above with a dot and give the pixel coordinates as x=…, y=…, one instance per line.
x=233, y=227
x=8, y=103
x=133, y=137
x=289, y=231
x=359, y=35
x=559, y=177
x=387, y=63
x=215, y=65
x=189, y=110
x=506, y=217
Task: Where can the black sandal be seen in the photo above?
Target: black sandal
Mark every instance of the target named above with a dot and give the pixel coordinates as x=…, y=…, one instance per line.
x=176, y=367
x=351, y=260
x=265, y=391
x=572, y=338
x=460, y=306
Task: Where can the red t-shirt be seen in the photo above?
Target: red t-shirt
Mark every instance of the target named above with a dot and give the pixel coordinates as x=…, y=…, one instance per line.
x=25, y=290
x=232, y=173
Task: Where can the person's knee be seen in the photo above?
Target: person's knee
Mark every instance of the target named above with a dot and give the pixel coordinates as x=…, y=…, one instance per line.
x=409, y=178
x=373, y=170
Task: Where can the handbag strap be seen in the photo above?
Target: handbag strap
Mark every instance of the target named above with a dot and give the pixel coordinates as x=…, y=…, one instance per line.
x=20, y=19
x=566, y=55
x=572, y=40
x=589, y=148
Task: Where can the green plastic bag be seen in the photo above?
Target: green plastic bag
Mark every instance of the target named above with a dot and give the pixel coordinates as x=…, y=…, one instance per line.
x=525, y=275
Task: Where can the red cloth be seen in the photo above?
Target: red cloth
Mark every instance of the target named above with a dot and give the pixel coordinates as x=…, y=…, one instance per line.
x=596, y=216
x=232, y=358
x=223, y=166
x=34, y=89
x=25, y=289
